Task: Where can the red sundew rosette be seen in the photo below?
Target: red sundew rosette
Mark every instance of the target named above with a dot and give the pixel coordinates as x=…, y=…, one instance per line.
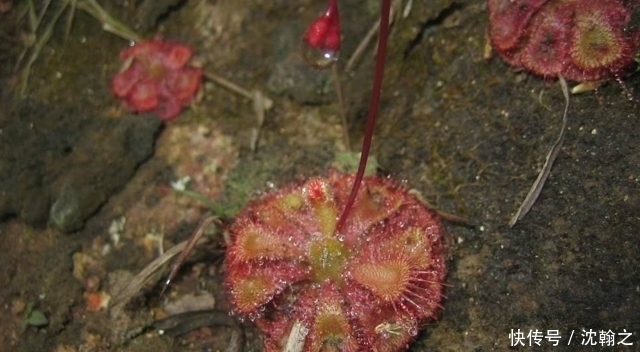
x=371, y=286
x=581, y=40
x=155, y=77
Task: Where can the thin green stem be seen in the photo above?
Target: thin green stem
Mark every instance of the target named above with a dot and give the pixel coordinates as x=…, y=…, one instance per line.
x=341, y=107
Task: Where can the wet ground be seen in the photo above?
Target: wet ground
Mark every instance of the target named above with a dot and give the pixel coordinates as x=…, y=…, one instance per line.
x=86, y=198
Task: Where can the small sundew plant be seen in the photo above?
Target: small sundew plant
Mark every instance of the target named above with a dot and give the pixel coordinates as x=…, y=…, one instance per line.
x=581, y=40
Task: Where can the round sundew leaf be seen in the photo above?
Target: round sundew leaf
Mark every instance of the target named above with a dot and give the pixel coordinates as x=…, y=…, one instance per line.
x=253, y=291
x=595, y=43
x=168, y=107
x=279, y=218
x=290, y=203
x=143, y=96
x=183, y=84
x=177, y=55
x=373, y=204
x=123, y=81
x=390, y=327
x=387, y=280
x=546, y=50
x=508, y=20
x=259, y=243
x=254, y=284
x=415, y=246
x=330, y=329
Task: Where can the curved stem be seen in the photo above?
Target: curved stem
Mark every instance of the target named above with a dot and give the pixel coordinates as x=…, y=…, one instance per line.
x=333, y=7
x=373, y=110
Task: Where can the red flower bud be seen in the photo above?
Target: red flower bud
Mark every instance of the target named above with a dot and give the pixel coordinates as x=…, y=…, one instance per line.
x=324, y=33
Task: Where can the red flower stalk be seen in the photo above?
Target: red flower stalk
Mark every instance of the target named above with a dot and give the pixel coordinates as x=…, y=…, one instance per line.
x=156, y=77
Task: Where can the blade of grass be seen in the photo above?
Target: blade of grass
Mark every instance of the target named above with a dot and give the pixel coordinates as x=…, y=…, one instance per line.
x=187, y=249
x=109, y=23
x=34, y=24
x=536, y=188
x=70, y=16
x=41, y=17
x=181, y=250
x=37, y=48
x=33, y=18
x=136, y=284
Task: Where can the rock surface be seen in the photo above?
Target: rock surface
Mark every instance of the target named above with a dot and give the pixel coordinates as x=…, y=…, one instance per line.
x=61, y=168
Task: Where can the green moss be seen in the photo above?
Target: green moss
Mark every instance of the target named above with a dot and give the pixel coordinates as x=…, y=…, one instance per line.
x=348, y=162
x=243, y=181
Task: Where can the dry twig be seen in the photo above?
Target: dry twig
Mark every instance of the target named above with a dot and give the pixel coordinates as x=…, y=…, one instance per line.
x=183, y=323
x=135, y=285
x=182, y=249
x=295, y=342
x=536, y=188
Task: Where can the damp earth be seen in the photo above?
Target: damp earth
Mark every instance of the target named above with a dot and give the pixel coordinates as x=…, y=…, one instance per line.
x=86, y=195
